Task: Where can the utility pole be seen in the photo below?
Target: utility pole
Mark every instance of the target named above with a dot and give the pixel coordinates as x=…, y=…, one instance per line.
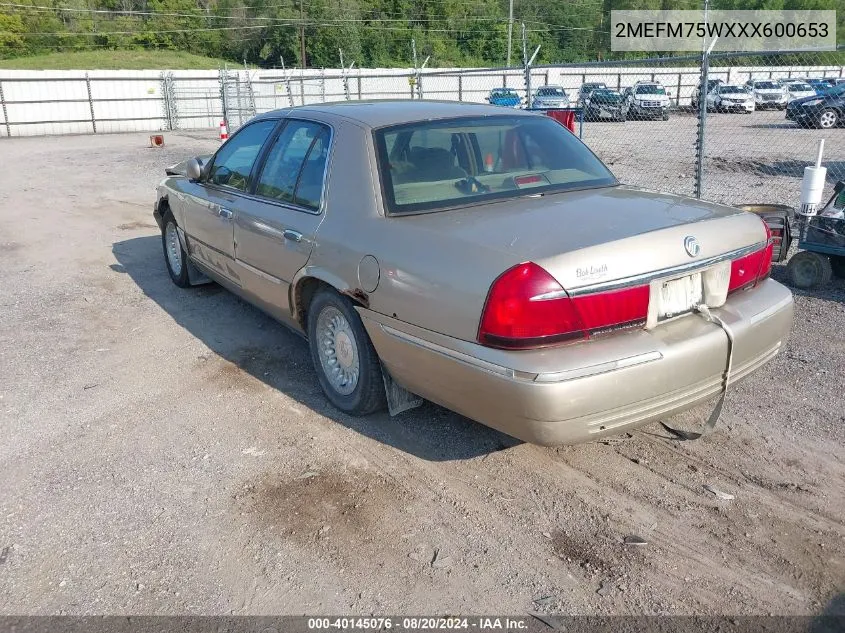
x=510, y=31
x=301, y=36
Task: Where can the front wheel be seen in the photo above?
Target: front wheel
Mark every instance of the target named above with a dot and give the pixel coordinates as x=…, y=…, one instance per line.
x=809, y=270
x=346, y=362
x=175, y=256
x=666, y=117
x=828, y=119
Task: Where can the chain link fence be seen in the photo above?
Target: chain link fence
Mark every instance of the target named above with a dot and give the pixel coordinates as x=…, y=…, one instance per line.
x=644, y=118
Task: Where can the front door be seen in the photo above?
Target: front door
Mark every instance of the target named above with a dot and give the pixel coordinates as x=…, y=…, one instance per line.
x=275, y=232
x=211, y=205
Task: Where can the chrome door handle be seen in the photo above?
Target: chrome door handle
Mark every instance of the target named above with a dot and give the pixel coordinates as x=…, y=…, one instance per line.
x=293, y=236
x=225, y=213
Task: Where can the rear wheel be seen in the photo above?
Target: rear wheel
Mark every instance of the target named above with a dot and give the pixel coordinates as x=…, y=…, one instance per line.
x=828, y=119
x=837, y=264
x=175, y=256
x=809, y=270
x=347, y=365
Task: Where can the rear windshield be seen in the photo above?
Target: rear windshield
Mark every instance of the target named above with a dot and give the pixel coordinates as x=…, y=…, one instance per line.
x=434, y=165
x=766, y=85
x=606, y=96
x=551, y=92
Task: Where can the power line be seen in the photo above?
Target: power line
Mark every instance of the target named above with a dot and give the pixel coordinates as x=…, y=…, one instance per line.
x=45, y=9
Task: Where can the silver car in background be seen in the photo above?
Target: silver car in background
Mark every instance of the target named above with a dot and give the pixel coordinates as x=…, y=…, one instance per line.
x=798, y=90
x=767, y=94
x=481, y=258
x=550, y=97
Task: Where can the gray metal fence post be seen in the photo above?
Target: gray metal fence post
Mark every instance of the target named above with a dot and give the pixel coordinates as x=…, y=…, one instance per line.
x=702, y=121
x=5, y=111
x=460, y=88
x=359, y=84
x=678, y=94
x=90, y=102
x=165, y=96
x=223, y=105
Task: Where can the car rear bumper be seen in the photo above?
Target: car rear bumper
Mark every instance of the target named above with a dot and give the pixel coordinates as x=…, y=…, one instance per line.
x=649, y=111
x=737, y=107
x=581, y=392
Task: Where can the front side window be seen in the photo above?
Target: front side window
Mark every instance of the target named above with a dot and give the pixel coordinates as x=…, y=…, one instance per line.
x=434, y=165
x=293, y=171
x=233, y=163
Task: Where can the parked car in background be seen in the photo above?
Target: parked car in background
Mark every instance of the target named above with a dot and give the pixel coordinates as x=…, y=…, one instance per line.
x=547, y=97
x=506, y=97
x=565, y=314
x=711, y=83
x=819, y=85
x=824, y=111
x=604, y=104
x=798, y=90
x=646, y=100
x=767, y=94
x=587, y=88
x=730, y=98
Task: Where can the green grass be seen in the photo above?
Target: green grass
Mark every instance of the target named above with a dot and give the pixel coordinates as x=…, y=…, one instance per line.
x=117, y=60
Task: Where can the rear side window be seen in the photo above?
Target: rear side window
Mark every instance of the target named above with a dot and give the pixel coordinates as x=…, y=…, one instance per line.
x=294, y=168
x=233, y=163
x=433, y=165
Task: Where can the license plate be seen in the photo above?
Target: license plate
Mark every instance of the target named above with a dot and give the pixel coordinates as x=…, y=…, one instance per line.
x=606, y=114
x=677, y=296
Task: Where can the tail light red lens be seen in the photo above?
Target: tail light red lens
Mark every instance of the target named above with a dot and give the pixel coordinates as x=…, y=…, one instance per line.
x=527, y=308
x=747, y=271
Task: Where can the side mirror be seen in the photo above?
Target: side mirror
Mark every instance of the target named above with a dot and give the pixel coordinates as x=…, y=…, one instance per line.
x=194, y=169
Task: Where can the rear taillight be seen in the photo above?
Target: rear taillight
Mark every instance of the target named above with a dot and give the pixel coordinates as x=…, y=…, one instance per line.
x=527, y=308
x=747, y=271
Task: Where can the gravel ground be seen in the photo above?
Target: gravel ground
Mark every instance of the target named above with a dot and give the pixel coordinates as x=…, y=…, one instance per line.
x=168, y=451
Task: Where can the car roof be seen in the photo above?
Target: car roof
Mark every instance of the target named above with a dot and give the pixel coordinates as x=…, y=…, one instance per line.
x=381, y=113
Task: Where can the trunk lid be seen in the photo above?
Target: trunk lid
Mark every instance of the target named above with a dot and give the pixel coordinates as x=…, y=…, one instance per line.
x=600, y=235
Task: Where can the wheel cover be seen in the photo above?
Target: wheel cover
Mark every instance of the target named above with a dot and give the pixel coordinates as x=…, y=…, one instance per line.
x=806, y=272
x=338, y=351
x=173, y=248
x=827, y=119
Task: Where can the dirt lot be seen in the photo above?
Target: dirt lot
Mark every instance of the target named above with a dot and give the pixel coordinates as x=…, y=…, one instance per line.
x=168, y=451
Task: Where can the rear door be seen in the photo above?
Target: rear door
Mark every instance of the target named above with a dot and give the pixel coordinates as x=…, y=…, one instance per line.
x=275, y=232
x=213, y=204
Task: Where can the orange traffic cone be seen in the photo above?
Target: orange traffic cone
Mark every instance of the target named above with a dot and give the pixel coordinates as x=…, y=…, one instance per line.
x=224, y=131
x=488, y=163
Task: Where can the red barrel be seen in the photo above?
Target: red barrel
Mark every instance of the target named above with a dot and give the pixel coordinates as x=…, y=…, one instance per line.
x=564, y=117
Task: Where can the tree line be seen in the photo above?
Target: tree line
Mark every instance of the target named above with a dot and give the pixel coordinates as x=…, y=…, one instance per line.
x=372, y=33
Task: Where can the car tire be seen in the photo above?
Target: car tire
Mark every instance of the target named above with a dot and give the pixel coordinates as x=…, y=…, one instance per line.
x=809, y=270
x=665, y=117
x=837, y=265
x=344, y=358
x=175, y=257
x=828, y=118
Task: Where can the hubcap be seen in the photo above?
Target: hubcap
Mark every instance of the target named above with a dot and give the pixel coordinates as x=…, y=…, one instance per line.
x=338, y=350
x=827, y=119
x=174, y=248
